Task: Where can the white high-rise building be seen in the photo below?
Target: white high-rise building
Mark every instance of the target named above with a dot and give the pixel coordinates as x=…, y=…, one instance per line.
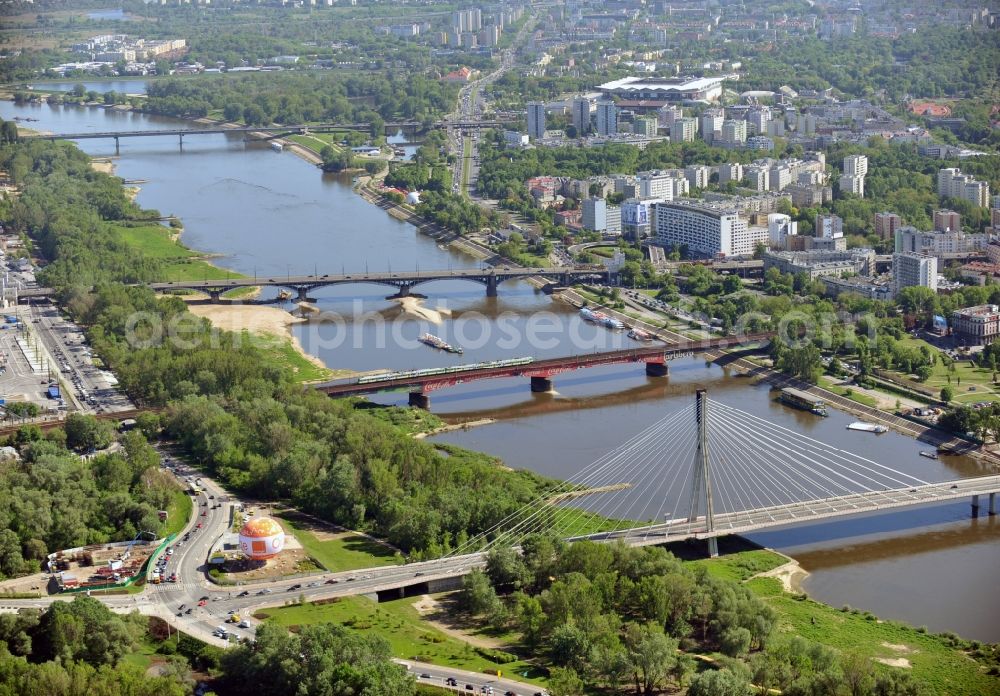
x=779, y=228
x=734, y=132
x=580, y=114
x=953, y=183
x=595, y=215
x=706, y=230
x=911, y=269
x=697, y=176
x=855, y=165
x=536, y=120
x=607, y=118
x=853, y=184
x=730, y=172
x=710, y=123
x=683, y=130
x=665, y=185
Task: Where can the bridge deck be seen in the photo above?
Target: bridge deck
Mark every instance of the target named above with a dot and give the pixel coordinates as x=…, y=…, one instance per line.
x=808, y=511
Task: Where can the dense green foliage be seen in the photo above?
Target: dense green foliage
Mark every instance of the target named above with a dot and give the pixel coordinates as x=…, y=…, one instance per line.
x=613, y=617
x=304, y=98
x=454, y=212
x=52, y=499
x=322, y=660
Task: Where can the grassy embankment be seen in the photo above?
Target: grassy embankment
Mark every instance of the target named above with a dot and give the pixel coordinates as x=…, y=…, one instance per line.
x=940, y=667
x=178, y=513
x=340, y=551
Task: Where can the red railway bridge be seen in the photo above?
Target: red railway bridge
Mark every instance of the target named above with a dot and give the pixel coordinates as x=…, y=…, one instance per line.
x=423, y=382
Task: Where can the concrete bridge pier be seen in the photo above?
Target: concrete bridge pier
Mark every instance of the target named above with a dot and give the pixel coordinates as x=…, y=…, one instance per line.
x=180, y=140
x=491, y=286
x=993, y=503
x=303, y=295
x=713, y=547
x=117, y=146
x=215, y=295
x=975, y=505
x=420, y=400
x=541, y=384
x=404, y=290
x=657, y=369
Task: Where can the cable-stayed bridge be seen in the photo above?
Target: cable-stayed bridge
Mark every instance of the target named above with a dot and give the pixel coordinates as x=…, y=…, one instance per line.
x=712, y=470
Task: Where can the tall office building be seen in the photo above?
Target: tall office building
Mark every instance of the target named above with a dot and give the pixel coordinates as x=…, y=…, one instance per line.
x=607, y=118
x=779, y=228
x=595, y=215
x=829, y=226
x=580, y=114
x=911, y=269
x=536, y=120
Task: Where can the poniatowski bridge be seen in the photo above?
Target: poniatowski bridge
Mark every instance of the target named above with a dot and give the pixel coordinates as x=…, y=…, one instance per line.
x=403, y=281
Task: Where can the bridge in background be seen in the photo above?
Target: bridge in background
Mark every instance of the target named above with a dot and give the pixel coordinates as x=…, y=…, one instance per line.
x=272, y=131
x=541, y=372
x=403, y=281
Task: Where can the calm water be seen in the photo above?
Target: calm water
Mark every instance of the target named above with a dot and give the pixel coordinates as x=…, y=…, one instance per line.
x=271, y=214
x=129, y=86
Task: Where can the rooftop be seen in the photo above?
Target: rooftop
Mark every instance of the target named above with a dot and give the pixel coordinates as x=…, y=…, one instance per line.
x=680, y=84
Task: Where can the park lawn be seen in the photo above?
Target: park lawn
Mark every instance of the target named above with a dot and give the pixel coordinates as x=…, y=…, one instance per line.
x=603, y=251
x=347, y=552
x=966, y=374
x=741, y=565
x=863, y=399
x=943, y=670
x=410, y=637
x=178, y=513
x=316, y=141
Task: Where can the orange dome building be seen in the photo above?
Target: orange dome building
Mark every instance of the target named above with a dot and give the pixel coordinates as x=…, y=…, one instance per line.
x=261, y=538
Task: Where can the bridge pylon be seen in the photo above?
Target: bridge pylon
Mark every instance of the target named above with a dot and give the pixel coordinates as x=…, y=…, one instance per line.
x=702, y=481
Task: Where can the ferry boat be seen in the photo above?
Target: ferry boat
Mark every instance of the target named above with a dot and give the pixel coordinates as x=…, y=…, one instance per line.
x=611, y=322
x=590, y=315
x=868, y=427
x=276, y=146
x=640, y=335
x=439, y=343
x=797, y=398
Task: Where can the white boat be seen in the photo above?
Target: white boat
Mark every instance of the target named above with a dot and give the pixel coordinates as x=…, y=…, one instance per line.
x=868, y=427
x=276, y=146
x=929, y=455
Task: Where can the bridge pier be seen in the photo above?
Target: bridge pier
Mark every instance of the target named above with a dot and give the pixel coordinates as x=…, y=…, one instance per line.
x=975, y=505
x=404, y=291
x=420, y=400
x=491, y=286
x=657, y=369
x=993, y=503
x=713, y=547
x=117, y=146
x=304, y=294
x=541, y=384
x=180, y=140
x=214, y=295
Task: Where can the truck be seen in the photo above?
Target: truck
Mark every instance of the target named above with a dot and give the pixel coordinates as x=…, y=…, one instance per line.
x=54, y=392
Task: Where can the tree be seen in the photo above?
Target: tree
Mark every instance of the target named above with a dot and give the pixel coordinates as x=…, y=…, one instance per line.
x=564, y=681
x=651, y=655
x=85, y=432
x=506, y=569
x=735, y=641
x=477, y=595
x=721, y=682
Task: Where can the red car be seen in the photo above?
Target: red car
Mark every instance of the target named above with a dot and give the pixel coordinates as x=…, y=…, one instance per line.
x=204, y=513
x=198, y=526
x=202, y=603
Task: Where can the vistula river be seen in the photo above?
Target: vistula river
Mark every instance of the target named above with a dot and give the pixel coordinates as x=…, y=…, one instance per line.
x=269, y=214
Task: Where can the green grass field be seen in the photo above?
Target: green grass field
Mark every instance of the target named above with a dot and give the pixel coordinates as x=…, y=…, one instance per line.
x=863, y=399
x=347, y=552
x=409, y=635
x=179, y=262
x=969, y=382
x=282, y=349
x=943, y=670
x=178, y=513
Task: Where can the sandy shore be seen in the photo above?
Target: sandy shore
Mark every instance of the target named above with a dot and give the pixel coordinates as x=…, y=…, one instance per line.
x=414, y=306
x=455, y=426
x=790, y=574
x=257, y=319
x=105, y=166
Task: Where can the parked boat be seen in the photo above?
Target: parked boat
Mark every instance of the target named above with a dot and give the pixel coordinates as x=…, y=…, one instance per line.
x=803, y=400
x=929, y=455
x=276, y=146
x=611, y=323
x=640, y=335
x=868, y=427
x=439, y=343
x=590, y=315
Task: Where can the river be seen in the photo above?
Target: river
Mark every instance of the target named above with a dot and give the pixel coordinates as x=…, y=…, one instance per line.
x=269, y=213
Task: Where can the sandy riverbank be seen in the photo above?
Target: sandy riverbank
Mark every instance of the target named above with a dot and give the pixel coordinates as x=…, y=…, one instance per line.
x=791, y=575
x=414, y=306
x=102, y=164
x=256, y=319
x=455, y=426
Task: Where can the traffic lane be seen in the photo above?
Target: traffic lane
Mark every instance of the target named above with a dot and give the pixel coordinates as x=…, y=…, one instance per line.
x=437, y=676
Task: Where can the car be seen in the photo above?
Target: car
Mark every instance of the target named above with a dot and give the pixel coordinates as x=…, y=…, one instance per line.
x=332, y=581
x=198, y=526
x=425, y=676
x=509, y=693
x=244, y=624
x=450, y=681
x=470, y=687
x=202, y=603
x=204, y=513
x=954, y=485
x=181, y=607
x=351, y=579
x=244, y=593
x=189, y=610
x=313, y=584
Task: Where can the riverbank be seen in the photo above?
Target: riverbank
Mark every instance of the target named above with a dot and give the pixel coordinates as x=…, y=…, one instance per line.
x=272, y=329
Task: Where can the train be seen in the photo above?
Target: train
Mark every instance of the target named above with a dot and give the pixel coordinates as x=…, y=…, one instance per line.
x=431, y=371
